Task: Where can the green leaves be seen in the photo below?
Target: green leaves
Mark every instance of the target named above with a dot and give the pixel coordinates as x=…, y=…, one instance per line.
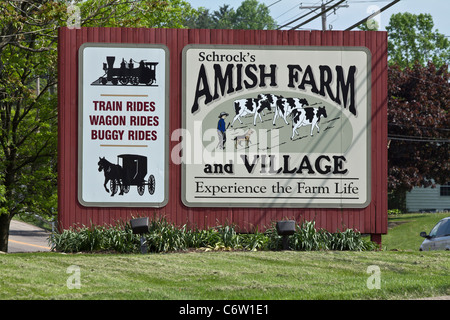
x=308, y=238
x=253, y=15
x=28, y=105
x=166, y=237
x=419, y=95
x=118, y=238
x=249, y=15
x=411, y=39
x=28, y=95
x=138, y=14
x=418, y=125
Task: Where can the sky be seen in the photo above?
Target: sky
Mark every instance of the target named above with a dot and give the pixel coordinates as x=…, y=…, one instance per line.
x=284, y=11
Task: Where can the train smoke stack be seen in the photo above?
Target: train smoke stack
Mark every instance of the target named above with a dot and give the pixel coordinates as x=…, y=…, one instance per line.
x=110, y=61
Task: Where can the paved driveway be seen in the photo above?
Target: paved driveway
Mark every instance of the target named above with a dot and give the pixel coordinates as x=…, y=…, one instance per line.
x=24, y=237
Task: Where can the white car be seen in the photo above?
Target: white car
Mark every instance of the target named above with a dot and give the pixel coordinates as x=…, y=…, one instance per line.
x=439, y=237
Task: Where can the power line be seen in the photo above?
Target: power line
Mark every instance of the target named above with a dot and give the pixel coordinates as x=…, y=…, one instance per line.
x=288, y=10
x=367, y=1
x=306, y=14
x=418, y=127
x=318, y=15
x=323, y=11
x=372, y=15
x=417, y=139
x=273, y=3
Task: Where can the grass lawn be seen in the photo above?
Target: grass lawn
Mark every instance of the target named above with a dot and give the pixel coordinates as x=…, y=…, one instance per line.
x=404, y=274
x=226, y=275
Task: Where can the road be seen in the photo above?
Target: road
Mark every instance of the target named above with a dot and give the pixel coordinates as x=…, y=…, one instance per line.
x=24, y=237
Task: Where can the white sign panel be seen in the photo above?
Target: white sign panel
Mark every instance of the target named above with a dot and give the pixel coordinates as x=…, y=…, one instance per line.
x=123, y=123
x=274, y=126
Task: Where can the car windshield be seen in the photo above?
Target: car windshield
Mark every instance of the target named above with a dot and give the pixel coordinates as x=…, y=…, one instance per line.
x=442, y=228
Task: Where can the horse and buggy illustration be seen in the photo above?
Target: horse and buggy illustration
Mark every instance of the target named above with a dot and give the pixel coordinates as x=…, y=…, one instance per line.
x=130, y=171
x=127, y=73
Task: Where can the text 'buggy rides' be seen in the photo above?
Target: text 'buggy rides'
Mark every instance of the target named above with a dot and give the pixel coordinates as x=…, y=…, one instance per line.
x=134, y=170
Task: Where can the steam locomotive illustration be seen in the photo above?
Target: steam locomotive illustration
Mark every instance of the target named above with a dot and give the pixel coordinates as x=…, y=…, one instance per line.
x=128, y=73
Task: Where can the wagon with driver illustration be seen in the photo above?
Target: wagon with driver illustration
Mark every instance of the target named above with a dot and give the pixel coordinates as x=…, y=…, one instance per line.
x=134, y=170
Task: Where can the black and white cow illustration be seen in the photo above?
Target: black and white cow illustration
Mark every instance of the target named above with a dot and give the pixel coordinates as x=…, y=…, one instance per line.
x=307, y=116
x=285, y=106
x=272, y=99
x=247, y=106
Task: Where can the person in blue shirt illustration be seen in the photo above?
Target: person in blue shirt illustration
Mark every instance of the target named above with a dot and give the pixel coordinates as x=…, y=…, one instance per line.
x=221, y=130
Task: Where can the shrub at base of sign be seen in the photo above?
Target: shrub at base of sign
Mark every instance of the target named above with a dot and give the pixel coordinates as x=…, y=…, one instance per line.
x=166, y=237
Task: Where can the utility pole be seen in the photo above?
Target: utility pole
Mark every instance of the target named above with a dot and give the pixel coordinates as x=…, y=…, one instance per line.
x=323, y=8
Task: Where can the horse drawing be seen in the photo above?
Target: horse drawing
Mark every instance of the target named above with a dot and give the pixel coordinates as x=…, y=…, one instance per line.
x=113, y=173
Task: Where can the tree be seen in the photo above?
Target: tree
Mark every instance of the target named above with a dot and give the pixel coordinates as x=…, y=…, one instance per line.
x=28, y=101
x=201, y=19
x=253, y=15
x=418, y=91
x=249, y=15
x=27, y=109
x=224, y=18
x=419, y=100
x=411, y=39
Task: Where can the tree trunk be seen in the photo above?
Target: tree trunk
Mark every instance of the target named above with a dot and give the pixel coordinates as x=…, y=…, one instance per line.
x=5, y=220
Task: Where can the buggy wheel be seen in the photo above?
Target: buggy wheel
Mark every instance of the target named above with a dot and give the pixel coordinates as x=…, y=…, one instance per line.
x=125, y=188
x=151, y=184
x=141, y=189
x=150, y=82
x=114, y=186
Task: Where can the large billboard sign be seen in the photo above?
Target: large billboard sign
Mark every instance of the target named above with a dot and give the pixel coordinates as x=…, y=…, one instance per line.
x=276, y=126
x=123, y=125
x=264, y=125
